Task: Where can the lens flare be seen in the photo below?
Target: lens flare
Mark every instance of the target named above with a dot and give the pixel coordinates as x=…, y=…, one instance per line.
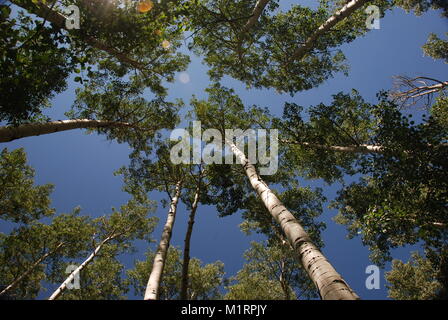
x=166, y=44
x=145, y=6
x=184, y=78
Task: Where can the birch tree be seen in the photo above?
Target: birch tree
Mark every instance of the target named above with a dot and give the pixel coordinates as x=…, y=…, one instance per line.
x=116, y=232
x=271, y=53
x=109, y=106
x=28, y=254
x=205, y=280
x=157, y=174
x=407, y=163
x=329, y=283
x=102, y=280
x=412, y=170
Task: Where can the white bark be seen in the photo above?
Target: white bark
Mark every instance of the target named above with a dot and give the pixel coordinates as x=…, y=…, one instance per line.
x=13, y=284
x=256, y=13
x=339, y=15
x=153, y=286
x=363, y=148
x=329, y=283
x=72, y=275
x=11, y=133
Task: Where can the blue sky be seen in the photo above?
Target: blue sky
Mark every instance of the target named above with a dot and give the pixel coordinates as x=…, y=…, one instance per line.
x=81, y=166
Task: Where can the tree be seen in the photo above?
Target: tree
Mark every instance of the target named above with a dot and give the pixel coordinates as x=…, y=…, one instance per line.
x=391, y=152
x=29, y=253
x=191, y=219
x=225, y=106
x=204, y=280
x=39, y=58
x=113, y=107
x=102, y=280
x=271, y=273
x=414, y=280
x=330, y=143
x=34, y=65
x=412, y=168
x=266, y=54
x=166, y=177
x=115, y=232
x=421, y=6
x=436, y=47
x=20, y=200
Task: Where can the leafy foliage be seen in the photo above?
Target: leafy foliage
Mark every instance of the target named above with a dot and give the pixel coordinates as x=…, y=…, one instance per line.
x=20, y=199
x=271, y=273
x=414, y=280
x=402, y=197
x=436, y=48
x=204, y=280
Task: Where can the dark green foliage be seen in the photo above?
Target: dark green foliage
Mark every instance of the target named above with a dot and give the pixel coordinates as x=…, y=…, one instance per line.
x=20, y=199
x=403, y=195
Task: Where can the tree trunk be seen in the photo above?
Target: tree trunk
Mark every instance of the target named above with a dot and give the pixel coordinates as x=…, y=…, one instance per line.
x=70, y=278
x=363, y=148
x=152, y=289
x=14, y=284
x=11, y=133
x=186, y=259
x=45, y=12
x=329, y=283
x=284, y=284
x=339, y=15
x=256, y=13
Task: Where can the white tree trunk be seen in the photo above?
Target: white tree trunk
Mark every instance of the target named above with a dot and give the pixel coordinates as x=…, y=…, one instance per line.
x=13, y=284
x=363, y=148
x=330, y=284
x=256, y=13
x=72, y=275
x=339, y=15
x=153, y=286
x=10, y=133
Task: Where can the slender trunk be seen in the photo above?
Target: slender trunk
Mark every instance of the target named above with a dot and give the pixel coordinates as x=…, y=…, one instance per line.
x=152, y=289
x=283, y=282
x=339, y=15
x=256, y=13
x=329, y=283
x=363, y=148
x=72, y=275
x=14, y=284
x=58, y=20
x=186, y=259
x=11, y=133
